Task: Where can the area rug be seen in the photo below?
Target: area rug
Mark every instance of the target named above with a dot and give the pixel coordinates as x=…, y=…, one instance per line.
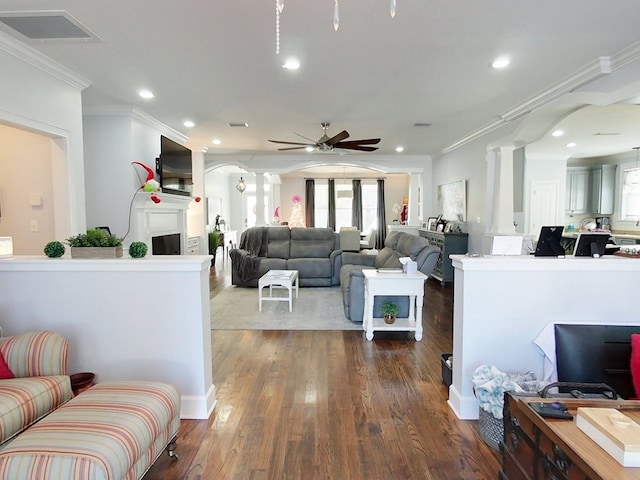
x=316, y=308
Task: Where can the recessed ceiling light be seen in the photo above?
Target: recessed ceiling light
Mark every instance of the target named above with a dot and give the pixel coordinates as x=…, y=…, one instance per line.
x=557, y=133
x=399, y=149
x=189, y=124
x=309, y=149
x=500, y=62
x=291, y=64
x=571, y=144
x=145, y=94
x=216, y=141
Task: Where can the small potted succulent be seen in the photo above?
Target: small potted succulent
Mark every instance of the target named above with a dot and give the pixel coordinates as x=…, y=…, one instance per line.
x=389, y=312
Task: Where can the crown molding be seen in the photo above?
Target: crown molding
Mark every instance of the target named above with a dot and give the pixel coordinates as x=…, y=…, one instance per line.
x=602, y=66
x=42, y=62
x=134, y=113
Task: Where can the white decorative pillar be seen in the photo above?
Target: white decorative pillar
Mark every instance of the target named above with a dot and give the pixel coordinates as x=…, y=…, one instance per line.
x=260, y=220
x=502, y=223
x=415, y=182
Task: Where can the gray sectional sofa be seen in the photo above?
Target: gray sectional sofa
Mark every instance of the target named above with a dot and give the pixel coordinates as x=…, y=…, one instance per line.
x=314, y=252
x=396, y=245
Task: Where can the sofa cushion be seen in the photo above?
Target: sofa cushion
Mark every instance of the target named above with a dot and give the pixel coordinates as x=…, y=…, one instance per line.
x=312, y=242
x=279, y=242
x=24, y=401
x=411, y=246
x=310, y=267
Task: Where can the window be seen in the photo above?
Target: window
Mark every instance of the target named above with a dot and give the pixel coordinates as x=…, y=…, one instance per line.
x=343, y=205
x=630, y=197
x=250, y=195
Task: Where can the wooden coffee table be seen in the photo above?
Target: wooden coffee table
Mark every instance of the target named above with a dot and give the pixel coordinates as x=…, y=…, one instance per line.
x=278, y=279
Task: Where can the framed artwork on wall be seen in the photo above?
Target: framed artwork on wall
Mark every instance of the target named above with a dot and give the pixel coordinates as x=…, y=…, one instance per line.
x=452, y=201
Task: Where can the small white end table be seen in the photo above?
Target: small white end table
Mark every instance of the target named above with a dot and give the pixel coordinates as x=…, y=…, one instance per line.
x=278, y=279
x=401, y=284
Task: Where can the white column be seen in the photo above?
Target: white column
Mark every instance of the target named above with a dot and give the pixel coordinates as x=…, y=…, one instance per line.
x=260, y=220
x=503, y=192
x=415, y=183
x=196, y=221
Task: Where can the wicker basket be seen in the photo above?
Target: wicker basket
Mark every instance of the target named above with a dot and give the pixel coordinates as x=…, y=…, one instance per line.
x=491, y=429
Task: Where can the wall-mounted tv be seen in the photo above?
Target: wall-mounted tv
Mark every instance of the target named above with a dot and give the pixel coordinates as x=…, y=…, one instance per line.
x=175, y=168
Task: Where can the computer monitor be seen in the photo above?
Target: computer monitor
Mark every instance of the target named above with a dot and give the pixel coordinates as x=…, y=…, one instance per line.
x=549, y=242
x=591, y=244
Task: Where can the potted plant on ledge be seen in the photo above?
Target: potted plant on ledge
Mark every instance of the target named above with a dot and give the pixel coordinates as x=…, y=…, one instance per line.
x=96, y=243
x=215, y=241
x=389, y=312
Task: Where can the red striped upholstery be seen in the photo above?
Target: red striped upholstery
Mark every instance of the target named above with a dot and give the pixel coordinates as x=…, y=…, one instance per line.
x=114, y=430
x=35, y=354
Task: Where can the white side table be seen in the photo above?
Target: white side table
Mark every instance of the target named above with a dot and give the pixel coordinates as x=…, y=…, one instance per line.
x=401, y=284
x=278, y=279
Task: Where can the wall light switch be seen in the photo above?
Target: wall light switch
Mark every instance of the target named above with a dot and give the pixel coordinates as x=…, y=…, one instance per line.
x=35, y=199
x=33, y=225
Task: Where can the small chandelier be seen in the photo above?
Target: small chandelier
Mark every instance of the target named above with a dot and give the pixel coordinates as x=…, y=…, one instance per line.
x=241, y=186
x=336, y=17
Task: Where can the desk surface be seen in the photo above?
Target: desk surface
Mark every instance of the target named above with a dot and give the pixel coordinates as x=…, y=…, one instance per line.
x=584, y=452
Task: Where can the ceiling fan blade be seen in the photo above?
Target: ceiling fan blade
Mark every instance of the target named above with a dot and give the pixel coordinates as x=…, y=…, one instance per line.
x=337, y=138
x=313, y=142
x=292, y=148
x=293, y=143
x=368, y=141
x=359, y=147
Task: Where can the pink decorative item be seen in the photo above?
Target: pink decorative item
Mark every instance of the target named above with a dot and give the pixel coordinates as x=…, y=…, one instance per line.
x=296, y=199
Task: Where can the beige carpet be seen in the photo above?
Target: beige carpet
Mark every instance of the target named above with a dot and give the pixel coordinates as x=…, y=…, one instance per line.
x=316, y=308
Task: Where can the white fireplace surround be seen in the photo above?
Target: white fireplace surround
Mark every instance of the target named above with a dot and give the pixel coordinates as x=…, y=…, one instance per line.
x=150, y=219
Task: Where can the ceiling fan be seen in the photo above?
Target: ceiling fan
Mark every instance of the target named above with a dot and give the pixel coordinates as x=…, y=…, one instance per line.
x=327, y=144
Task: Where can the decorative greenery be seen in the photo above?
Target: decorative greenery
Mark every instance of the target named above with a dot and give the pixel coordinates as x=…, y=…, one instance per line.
x=215, y=241
x=94, y=238
x=54, y=249
x=138, y=249
x=389, y=309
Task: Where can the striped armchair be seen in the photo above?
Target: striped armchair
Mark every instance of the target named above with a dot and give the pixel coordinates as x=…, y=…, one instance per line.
x=38, y=362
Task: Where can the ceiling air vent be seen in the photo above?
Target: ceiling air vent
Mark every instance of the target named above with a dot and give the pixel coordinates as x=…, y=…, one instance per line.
x=238, y=124
x=47, y=25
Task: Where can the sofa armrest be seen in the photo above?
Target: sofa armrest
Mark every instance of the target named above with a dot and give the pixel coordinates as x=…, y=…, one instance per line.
x=352, y=258
x=35, y=354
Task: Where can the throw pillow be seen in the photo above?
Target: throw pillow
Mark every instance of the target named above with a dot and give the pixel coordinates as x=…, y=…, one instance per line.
x=5, y=371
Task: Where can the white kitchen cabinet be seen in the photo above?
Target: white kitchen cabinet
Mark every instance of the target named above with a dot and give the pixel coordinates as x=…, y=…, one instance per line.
x=603, y=180
x=578, y=200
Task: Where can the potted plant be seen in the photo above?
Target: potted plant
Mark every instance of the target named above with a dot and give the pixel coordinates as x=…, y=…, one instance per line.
x=215, y=241
x=389, y=312
x=54, y=249
x=96, y=243
x=137, y=249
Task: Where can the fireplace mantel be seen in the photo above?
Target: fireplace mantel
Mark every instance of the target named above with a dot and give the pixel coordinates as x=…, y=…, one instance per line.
x=150, y=219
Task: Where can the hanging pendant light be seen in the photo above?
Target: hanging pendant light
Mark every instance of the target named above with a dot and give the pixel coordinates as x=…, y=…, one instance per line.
x=241, y=186
x=392, y=8
x=280, y=5
x=336, y=16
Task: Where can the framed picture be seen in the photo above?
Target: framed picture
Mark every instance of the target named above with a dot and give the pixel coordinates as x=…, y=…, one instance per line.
x=431, y=223
x=452, y=201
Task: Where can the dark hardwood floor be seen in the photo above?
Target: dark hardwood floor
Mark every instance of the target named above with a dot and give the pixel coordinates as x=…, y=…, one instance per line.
x=331, y=405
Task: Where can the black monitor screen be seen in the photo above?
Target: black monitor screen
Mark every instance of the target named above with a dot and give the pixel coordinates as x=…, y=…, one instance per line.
x=549, y=242
x=166, y=244
x=591, y=244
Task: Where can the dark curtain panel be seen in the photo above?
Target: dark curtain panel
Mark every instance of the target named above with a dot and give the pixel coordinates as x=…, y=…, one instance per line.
x=356, y=204
x=381, y=234
x=310, y=202
x=331, y=218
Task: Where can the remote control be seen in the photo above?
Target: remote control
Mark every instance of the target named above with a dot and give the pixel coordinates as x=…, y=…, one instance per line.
x=551, y=410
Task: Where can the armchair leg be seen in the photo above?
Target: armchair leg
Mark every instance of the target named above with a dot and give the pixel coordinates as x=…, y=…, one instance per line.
x=171, y=449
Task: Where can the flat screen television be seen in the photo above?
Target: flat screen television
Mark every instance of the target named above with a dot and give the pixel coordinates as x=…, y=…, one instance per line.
x=175, y=168
x=596, y=354
x=549, y=242
x=591, y=244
